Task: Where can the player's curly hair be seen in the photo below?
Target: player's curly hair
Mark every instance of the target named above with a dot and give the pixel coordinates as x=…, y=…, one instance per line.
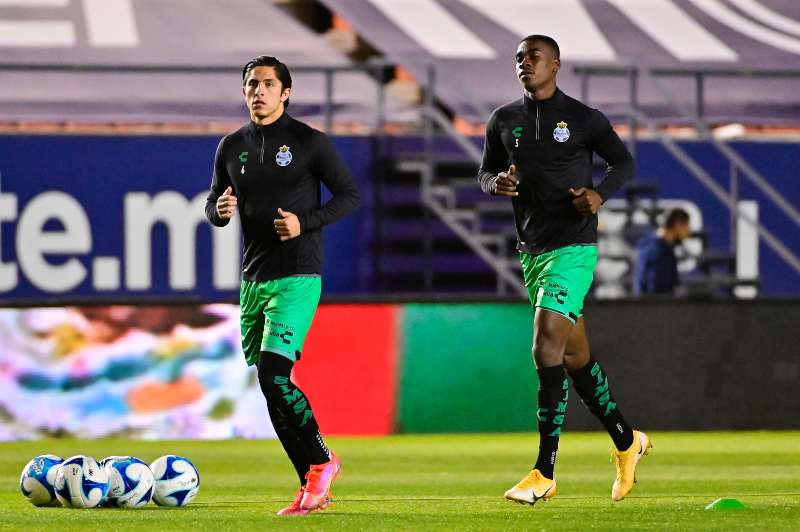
x=281, y=70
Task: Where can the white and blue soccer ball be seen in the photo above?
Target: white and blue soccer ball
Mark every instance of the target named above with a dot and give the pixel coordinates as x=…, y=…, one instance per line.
x=81, y=482
x=103, y=462
x=38, y=478
x=108, y=459
x=176, y=481
x=130, y=482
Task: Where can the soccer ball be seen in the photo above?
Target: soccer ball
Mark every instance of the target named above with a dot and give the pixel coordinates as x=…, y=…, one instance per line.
x=177, y=481
x=81, y=482
x=130, y=481
x=38, y=478
x=106, y=500
x=108, y=459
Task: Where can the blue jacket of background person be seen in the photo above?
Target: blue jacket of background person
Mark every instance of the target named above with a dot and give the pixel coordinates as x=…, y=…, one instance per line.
x=656, y=268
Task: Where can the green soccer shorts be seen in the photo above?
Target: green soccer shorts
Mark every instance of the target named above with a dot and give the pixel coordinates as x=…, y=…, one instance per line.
x=276, y=315
x=560, y=279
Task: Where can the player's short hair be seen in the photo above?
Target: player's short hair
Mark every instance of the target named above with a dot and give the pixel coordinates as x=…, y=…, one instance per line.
x=676, y=216
x=549, y=41
x=281, y=70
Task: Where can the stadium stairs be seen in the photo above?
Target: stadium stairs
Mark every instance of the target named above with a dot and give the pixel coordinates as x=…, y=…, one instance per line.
x=415, y=250
x=437, y=228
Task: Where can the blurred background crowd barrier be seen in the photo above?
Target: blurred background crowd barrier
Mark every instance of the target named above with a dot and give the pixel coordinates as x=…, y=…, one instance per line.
x=178, y=371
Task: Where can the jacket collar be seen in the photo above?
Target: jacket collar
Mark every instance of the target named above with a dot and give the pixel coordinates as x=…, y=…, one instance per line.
x=276, y=126
x=556, y=99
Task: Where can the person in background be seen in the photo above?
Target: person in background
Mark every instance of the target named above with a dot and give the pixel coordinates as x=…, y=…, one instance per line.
x=656, y=269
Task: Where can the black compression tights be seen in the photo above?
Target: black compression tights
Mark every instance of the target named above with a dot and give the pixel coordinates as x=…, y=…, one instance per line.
x=290, y=413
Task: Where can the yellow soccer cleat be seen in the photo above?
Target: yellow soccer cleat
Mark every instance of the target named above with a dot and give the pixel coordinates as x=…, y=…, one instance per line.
x=532, y=488
x=625, y=462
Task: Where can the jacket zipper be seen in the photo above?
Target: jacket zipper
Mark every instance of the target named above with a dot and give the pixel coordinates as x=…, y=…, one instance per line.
x=261, y=159
x=537, y=120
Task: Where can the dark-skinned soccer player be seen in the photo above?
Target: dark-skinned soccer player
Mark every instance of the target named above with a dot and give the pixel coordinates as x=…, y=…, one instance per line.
x=538, y=152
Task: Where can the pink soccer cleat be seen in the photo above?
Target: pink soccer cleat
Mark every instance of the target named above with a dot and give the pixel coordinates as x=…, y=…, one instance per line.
x=317, y=493
x=295, y=508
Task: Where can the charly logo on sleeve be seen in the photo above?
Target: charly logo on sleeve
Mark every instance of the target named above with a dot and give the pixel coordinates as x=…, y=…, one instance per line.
x=517, y=132
x=284, y=156
x=561, y=133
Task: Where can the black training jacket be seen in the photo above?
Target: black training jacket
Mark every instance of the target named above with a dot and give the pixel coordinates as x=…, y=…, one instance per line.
x=280, y=165
x=551, y=143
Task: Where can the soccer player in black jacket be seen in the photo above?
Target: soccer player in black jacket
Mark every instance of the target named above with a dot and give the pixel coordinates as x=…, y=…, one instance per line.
x=270, y=170
x=538, y=152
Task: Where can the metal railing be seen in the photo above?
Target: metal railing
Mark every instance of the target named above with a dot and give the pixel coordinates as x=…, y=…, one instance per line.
x=374, y=68
x=701, y=75
x=738, y=166
x=434, y=202
x=635, y=116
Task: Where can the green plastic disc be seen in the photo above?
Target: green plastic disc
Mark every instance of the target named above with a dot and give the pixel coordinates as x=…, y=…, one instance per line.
x=726, y=504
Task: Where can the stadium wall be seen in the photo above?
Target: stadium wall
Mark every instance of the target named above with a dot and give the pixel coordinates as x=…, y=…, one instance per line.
x=372, y=369
x=111, y=217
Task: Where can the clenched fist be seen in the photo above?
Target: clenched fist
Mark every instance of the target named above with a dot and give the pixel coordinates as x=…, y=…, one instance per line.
x=226, y=204
x=506, y=183
x=287, y=226
x=587, y=201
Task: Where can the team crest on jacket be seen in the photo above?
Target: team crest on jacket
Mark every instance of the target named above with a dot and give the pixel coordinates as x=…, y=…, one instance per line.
x=284, y=156
x=561, y=133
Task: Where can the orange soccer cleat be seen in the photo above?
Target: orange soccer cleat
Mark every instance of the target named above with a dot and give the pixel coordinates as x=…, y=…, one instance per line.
x=534, y=487
x=626, y=461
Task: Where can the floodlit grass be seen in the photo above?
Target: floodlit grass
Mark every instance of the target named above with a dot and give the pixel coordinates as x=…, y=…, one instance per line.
x=448, y=482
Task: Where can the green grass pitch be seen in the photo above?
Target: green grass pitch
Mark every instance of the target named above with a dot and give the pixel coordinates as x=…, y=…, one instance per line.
x=446, y=482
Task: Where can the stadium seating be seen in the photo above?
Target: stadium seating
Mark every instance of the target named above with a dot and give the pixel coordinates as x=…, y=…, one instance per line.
x=472, y=43
x=83, y=54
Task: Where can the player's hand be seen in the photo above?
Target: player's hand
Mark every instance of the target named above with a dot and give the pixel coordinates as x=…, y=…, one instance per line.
x=226, y=204
x=587, y=201
x=287, y=226
x=506, y=183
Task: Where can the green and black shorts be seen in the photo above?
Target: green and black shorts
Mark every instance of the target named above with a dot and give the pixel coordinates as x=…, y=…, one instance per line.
x=276, y=315
x=559, y=280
